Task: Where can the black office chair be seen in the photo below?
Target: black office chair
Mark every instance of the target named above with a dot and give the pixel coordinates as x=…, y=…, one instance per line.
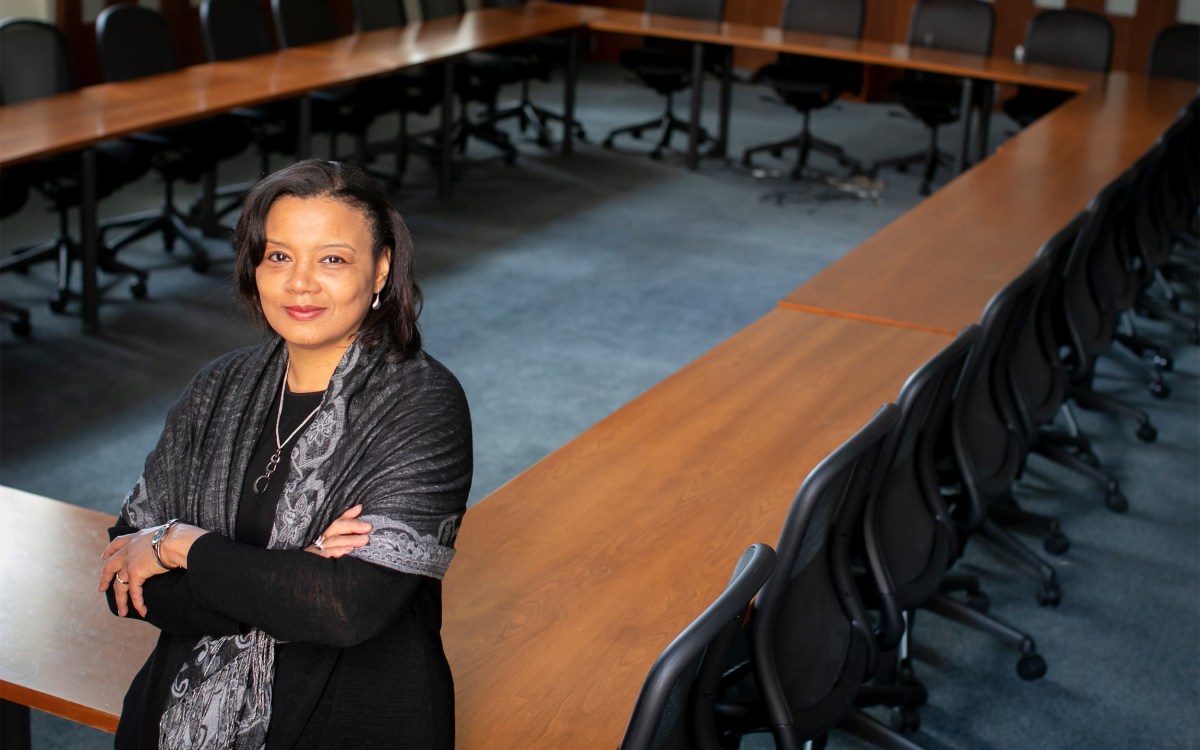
x=414, y=91
x=909, y=540
x=34, y=63
x=810, y=83
x=1175, y=53
x=352, y=108
x=811, y=647
x=935, y=99
x=989, y=451
x=1070, y=38
x=134, y=41
x=478, y=80
x=542, y=54
x=674, y=707
x=665, y=65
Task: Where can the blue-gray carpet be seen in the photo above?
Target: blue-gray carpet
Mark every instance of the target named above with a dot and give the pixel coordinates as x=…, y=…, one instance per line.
x=559, y=289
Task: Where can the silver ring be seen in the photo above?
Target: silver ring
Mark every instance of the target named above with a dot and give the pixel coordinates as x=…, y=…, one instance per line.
x=320, y=543
x=119, y=579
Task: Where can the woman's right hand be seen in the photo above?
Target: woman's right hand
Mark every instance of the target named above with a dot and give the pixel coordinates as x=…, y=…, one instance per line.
x=345, y=534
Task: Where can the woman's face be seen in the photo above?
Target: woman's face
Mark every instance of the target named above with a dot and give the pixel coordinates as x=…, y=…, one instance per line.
x=317, y=276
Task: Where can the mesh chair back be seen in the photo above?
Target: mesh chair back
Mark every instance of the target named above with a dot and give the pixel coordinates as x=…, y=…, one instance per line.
x=431, y=9
x=1175, y=53
x=370, y=15
x=677, y=693
x=954, y=25
x=301, y=22
x=33, y=61
x=133, y=41
x=234, y=29
x=810, y=645
x=908, y=536
x=1071, y=38
x=1036, y=374
x=989, y=455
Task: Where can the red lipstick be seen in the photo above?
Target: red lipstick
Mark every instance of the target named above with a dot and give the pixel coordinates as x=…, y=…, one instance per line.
x=304, y=312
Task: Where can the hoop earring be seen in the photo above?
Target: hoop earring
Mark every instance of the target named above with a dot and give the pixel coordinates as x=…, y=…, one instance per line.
x=375, y=304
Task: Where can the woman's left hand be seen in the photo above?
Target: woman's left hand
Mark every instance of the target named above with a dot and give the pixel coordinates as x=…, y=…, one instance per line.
x=129, y=562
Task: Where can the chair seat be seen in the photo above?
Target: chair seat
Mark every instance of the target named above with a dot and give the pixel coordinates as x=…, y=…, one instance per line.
x=665, y=71
x=933, y=101
x=117, y=163
x=798, y=87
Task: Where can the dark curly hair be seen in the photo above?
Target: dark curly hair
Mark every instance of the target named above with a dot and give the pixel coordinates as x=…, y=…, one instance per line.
x=394, y=324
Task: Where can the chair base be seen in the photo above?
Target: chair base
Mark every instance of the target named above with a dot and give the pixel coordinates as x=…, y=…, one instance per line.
x=17, y=319
x=1030, y=666
x=667, y=123
x=932, y=157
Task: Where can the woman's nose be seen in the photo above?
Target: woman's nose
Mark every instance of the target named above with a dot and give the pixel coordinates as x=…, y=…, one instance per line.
x=302, y=278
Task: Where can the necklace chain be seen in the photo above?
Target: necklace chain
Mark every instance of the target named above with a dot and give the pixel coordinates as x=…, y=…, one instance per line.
x=260, y=484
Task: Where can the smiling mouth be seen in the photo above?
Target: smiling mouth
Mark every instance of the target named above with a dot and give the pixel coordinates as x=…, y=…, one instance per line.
x=304, y=312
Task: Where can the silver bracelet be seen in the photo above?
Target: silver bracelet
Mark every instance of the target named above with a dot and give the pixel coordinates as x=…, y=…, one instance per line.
x=157, y=540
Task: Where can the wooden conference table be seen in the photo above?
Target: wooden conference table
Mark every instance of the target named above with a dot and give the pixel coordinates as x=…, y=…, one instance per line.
x=60, y=649
x=937, y=266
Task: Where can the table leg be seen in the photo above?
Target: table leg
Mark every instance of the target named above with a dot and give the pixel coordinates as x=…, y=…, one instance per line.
x=445, y=168
x=721, y=148
x=304, y=129
x=985, y=120
x=89, y=231
x=568, y=141
x=693, y=153
x=964, y=149
x=14, y=726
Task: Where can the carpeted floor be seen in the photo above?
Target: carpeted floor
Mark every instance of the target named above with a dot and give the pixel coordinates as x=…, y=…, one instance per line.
x=558, y=289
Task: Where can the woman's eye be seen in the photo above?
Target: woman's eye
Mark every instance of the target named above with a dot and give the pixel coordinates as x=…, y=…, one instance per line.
x=333, y=259
x=276, y=257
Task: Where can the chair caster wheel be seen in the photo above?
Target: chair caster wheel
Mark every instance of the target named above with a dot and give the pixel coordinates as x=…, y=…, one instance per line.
x=138, y=289
x=1147, y=434
x=1159, y=390
x=1031, y=667
x=1049, y=594
x=21, y=328
x=1116, y=502
x=607, y=143
x=636, y=134
x=1056, y=544
x=905, y=720
x=777, y=153
x=58, y=304
x=656, y=155
x=1162, y=360
x=1090, y=458
x=979, y=602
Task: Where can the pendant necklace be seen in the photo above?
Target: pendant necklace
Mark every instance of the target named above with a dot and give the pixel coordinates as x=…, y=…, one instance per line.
x=260, y=484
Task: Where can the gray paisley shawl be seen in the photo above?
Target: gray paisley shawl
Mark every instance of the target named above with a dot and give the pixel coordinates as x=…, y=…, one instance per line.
x=360, y=447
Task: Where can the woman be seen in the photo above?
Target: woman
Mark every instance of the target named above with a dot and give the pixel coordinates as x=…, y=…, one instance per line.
x=290, y=530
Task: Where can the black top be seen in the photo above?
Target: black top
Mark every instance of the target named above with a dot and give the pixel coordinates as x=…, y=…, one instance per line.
x=328, y=676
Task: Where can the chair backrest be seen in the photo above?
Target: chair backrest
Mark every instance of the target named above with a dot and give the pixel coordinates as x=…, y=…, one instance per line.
x=1091, y=320
x=701, y=10
x=431, y=9
x=954, y=25
x=834, y=17
x=677, y=693
x=234, y=29
x=1036, y=376
x=133, y=41
x=1175, y=53
x=1071, y=38
x=908, y=536
x=33, y=61
x=989, y=448
x=811, y=644
x=370, y=15
x=301, y=22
